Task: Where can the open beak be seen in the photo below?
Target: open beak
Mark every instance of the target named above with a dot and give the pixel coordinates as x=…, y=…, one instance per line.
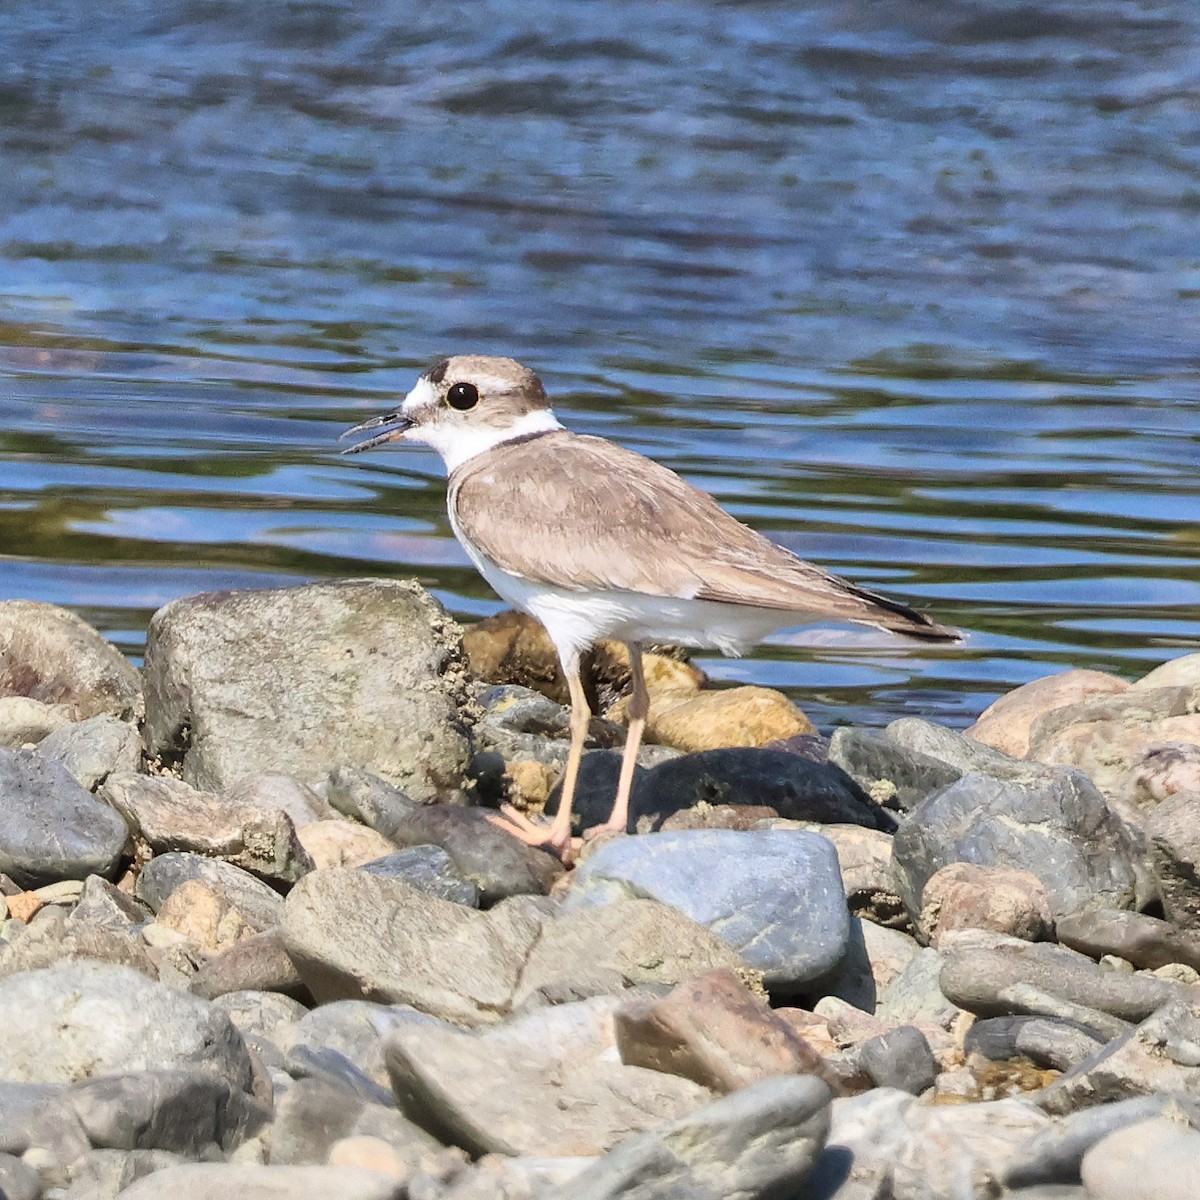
x=393, y=426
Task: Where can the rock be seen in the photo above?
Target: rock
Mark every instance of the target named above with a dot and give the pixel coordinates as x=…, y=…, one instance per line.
x=367, y=799
x=446, y=1080
x=82, y=1019
x=55, y=938
x=94, y=749
x=251, y=1181
x=875, y=957
x=762, y=1141
x=738, y=817
x=775, y=895
x=900, y=1059
x=714, y=1031
x=353, y=934
x=172, y=816
x=267, y=1021
x=788, y=783
x=865, y=861
x=353, y=1029
x=1045, y=1041
x=1005, y=724
x=102, y=1174
x=1144, y=941
x=104, y=905
x=203, y=916
x=367, y=673
x=1175, y=856
x=50, y=827
x=1183, y=671
x=610, y=947
x=1006, y=900
x=50, y=655
x=740, y=716
x=979, y=978
x=1162, y=1054
x=260, y=905
x=25, y=722
x=1156, y=1159
x=186, y=1111
x=1060, y=829
x=964, y=754
x=313, y=1114
x=18, y=1180
x=498, y=864
x=429, y=869
x=916, y=993
x=280, y=793
x=256, y=963
x=338, y=843
x=1156, y=773
x=891, y=775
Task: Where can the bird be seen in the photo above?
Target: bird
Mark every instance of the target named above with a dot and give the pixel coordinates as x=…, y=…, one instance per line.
x=599, y=542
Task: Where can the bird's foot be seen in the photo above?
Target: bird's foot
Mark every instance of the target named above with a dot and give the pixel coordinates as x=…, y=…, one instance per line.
x=553, y=837
x=606, y=832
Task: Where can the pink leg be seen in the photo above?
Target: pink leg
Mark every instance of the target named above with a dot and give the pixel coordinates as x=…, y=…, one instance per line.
x=639, y=708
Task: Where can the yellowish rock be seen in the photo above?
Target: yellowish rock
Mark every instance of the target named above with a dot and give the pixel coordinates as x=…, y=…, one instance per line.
x=23, y=905
x=199, y=914
x=370, y=1152
x=531, y=783
x=739, y=716
x=338, y=843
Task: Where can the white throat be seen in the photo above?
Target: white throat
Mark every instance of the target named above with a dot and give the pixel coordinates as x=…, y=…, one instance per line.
x=459, y=443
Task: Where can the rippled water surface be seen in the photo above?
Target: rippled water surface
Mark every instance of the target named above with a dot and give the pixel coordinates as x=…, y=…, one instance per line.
x=913, y=287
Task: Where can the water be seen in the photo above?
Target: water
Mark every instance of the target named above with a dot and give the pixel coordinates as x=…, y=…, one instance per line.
x=913, y=287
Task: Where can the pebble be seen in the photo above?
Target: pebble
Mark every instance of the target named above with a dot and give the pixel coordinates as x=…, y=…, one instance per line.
x=775, y=896
x=260, y=905
x=899, y=1059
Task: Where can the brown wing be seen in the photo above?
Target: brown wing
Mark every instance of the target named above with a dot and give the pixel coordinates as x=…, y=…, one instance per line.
x=594, y=515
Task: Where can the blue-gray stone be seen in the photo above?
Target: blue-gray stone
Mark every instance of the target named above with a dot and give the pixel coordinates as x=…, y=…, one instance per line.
x=429, y=869
x=775, y=895
x=52, y=828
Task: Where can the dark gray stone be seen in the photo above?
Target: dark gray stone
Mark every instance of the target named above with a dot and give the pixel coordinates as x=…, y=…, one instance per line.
x=105, y=906
x=775, y=896
x=87, y=1018
x=794, y=786
x=893, y=776
x=329, y=1066
x=366, y=672
x=1060, y=828
x=364, y=797
x=260, y=905
x=1045, y=1041
x=430, y=869
x=900, y=1059
x=761, y=1141
x=1144, y=941
x=51, y=828
x=92, y=750
x=315, y=1113
x=185, y=1111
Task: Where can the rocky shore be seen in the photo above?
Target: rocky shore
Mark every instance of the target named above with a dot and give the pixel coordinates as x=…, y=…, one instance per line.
x=261, y=939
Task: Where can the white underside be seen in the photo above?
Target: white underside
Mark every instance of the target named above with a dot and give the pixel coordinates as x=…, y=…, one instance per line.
x=577, y=620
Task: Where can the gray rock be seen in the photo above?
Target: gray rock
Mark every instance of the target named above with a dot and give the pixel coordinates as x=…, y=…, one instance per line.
x=86, y=1019
x=173, y=816
x=94, y=749
x=51, y=655
x=900, y=1059
x=314, y=1113
x=55, y=937
x=186, y=1111
x=352, y=1029
x=267, y=1021
x=354, y=934
x=875, y=957
x=1162, y=1054
x=50, y=827
x=498, y=864
x=966, y=756
x=1144, y=941
x=759, y=1142
x=977, y=978
x=1175, y=854
x=328, y=1066
x=1053, y=1156
x=102, y=1174
x=916, y=993
x=246, y=1181
x=429, y=869
x=1060, y=829
x=18, y=1180
x=362, y=672
x=1156, y=1159
x=21, y=1107
x=1045, y=1041
x=447, y=1080
x=792, y=785
x=891, y=775
x=364, y=797
x=280, y=793
x=256, y=963
x=775, y=896
x=260, y=905
x=105, y=906
x=609, y=948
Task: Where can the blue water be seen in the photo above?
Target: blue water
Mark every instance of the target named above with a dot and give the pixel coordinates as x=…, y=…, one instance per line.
x=913, y=287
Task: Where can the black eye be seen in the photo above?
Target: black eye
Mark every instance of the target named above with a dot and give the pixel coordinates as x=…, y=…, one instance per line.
x=462, y=396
